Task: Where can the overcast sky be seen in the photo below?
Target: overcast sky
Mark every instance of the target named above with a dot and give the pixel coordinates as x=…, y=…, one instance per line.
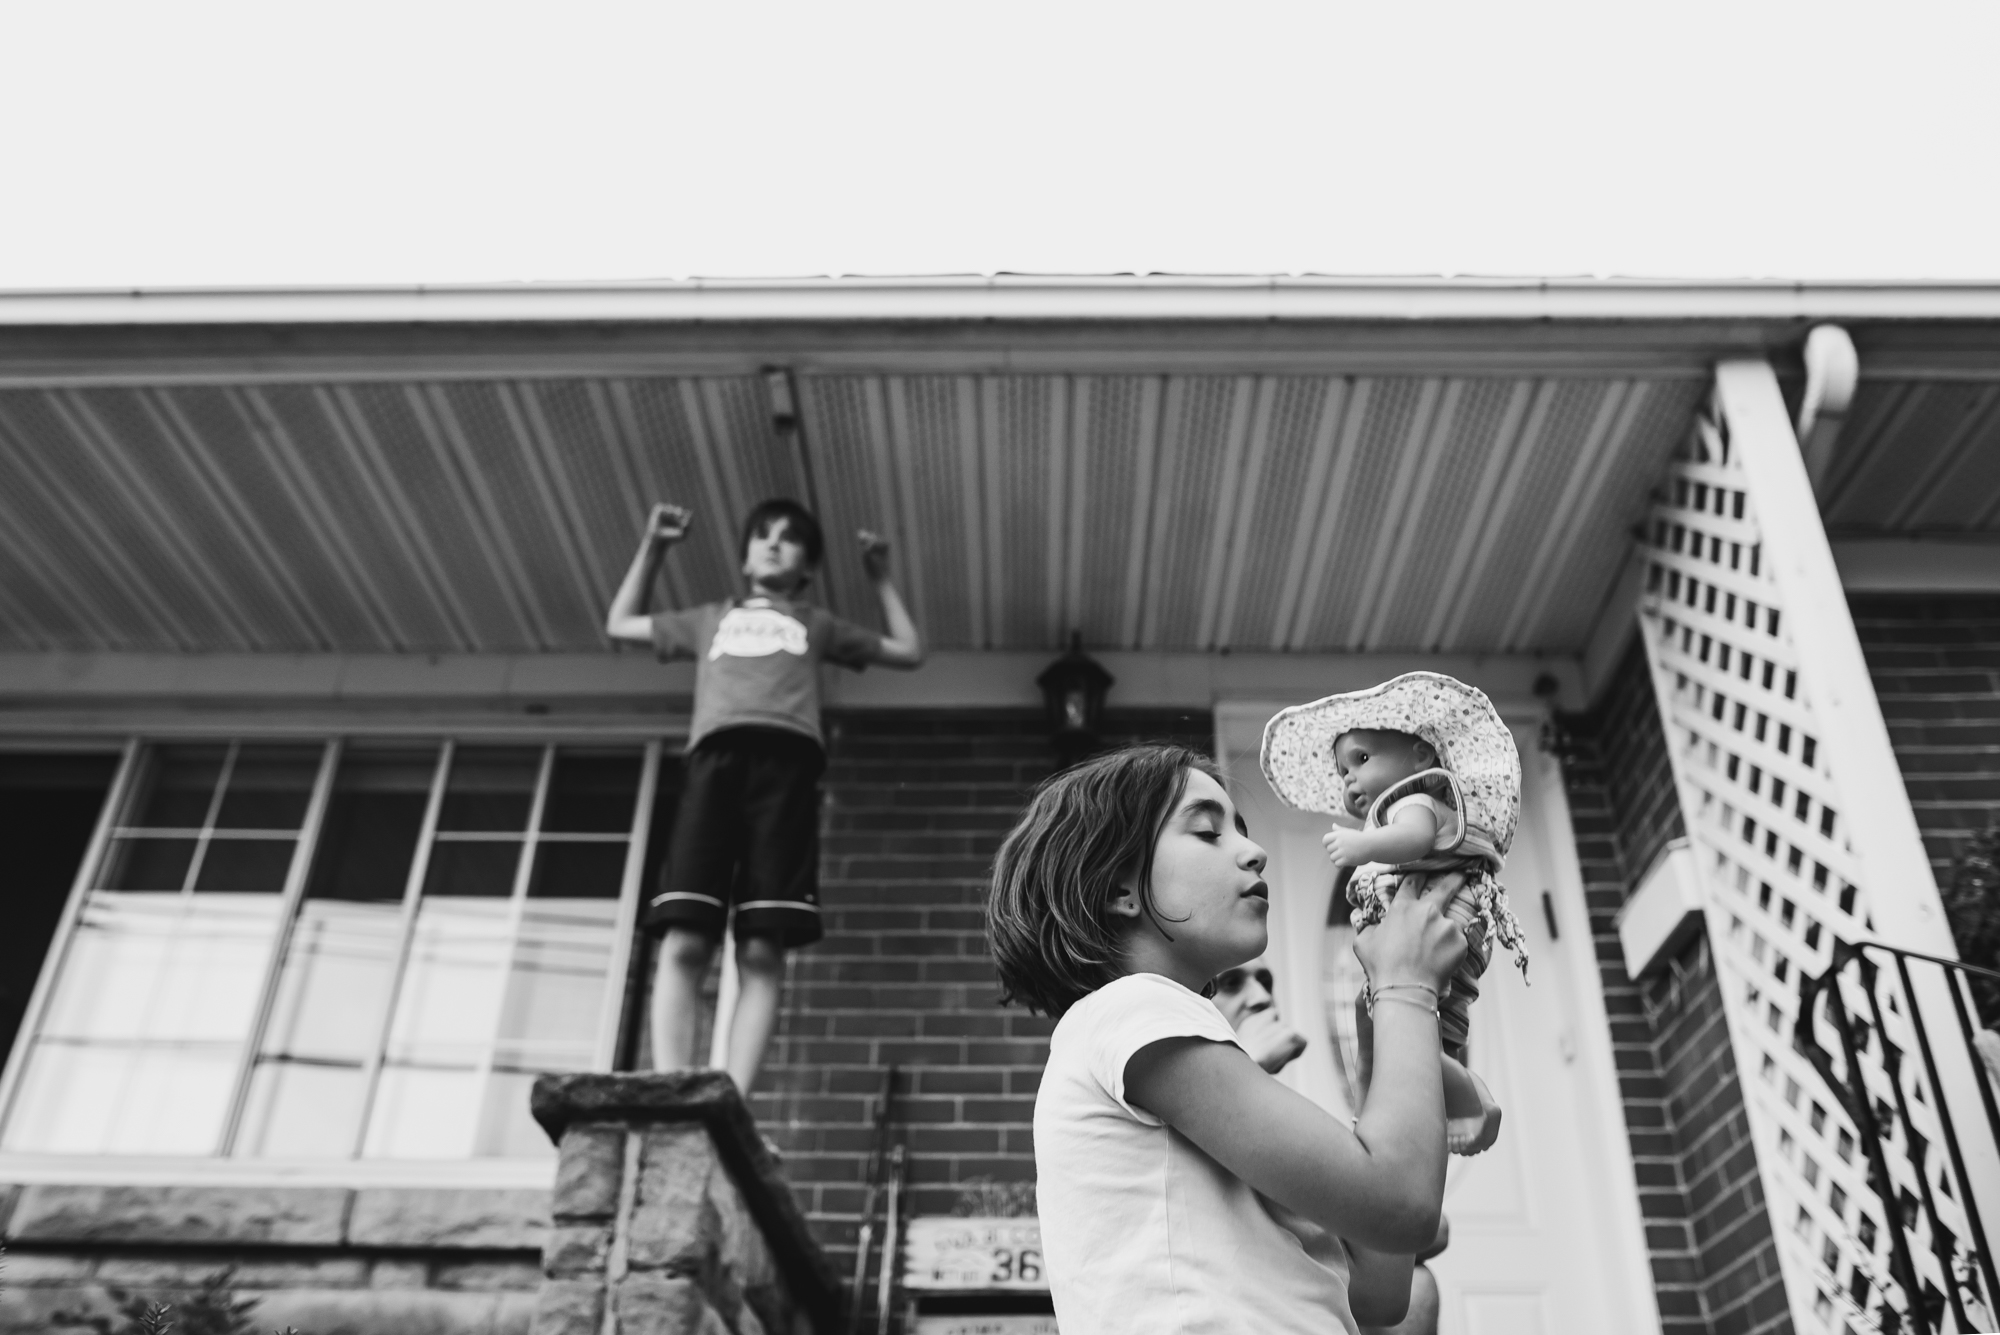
x=179, y=143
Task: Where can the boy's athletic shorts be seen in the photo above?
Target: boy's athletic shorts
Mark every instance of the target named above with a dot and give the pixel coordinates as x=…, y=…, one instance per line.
x=747, y=835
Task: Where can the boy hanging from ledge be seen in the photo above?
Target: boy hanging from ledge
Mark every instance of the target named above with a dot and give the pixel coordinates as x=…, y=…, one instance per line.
x=747, y=833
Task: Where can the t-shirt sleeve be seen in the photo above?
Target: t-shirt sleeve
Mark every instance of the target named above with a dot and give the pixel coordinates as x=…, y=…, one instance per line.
x=1139, y=1010
x=847, y=644
x=677, y=634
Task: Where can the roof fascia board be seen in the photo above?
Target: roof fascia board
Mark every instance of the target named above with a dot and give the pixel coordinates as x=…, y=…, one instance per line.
x=1008, y=297
x=207, y=688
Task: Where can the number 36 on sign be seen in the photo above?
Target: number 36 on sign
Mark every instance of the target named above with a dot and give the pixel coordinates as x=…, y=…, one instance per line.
x=971, y=1255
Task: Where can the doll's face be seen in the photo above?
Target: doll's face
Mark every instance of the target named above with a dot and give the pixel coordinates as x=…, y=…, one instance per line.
x=1370, y=762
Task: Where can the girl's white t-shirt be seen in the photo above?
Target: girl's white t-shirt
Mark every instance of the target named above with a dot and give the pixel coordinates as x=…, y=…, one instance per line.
x=1142, y=1232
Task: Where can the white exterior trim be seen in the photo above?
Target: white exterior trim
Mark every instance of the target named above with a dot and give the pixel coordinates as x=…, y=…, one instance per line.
x=122, y=1170
x=67, y=690
x=1018, y=297
x=1882, y=826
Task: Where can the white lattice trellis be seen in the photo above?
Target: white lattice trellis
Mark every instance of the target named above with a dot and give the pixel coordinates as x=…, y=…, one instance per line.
x=1757, y=788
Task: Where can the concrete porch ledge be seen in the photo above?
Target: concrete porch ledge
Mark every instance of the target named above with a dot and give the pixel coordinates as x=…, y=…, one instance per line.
x=670, y=1216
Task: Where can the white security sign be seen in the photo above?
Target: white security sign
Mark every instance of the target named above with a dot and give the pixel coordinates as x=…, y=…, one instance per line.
x=974, y=1255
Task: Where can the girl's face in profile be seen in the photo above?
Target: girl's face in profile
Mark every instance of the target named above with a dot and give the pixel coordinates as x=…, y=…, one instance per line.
x=1208, y=881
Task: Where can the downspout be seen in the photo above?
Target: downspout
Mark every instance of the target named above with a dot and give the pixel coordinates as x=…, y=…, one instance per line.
x=1832, y=368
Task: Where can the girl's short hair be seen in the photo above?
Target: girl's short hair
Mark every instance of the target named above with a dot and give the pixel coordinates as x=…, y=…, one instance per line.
x=1086, y=831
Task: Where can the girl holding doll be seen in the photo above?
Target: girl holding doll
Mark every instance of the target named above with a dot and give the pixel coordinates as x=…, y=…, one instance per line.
x=1181, y=1188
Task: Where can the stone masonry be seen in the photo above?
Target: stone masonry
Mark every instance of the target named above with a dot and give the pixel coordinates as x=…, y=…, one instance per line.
x=670, y=1215
x=326, y=1260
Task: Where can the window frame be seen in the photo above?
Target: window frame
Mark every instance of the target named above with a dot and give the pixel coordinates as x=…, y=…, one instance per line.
x=223, y=1160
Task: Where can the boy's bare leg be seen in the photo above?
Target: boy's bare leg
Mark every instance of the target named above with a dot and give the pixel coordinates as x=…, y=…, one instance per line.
x=760, y=972
x=676, y=1017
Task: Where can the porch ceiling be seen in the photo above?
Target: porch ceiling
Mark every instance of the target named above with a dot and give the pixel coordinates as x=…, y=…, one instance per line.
x=1172, y=511
x=1919, y=456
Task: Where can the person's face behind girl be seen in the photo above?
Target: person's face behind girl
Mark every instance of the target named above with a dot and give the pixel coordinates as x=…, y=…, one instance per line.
x=1370, y=762
x=1208, y=891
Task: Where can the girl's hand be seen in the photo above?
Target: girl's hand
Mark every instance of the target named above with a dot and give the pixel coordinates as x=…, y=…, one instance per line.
x=1344, y=847
x=1414, y=942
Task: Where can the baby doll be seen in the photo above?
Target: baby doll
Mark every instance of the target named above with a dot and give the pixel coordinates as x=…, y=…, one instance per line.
x=1431, y=771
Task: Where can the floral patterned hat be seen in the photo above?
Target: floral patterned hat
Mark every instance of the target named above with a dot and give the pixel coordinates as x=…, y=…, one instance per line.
x=1456, y=719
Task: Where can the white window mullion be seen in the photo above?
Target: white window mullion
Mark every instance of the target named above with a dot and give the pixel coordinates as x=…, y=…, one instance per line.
x=87, y=871
x=625, y=925
x=516, y=905
x=288, y=909
x=207, y=834
x=412, y=892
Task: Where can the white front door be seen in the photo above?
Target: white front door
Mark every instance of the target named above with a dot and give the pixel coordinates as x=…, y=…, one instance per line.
x=1546, y=1234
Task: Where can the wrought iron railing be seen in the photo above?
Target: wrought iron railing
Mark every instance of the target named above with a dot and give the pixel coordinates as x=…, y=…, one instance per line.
x=1963, y=1286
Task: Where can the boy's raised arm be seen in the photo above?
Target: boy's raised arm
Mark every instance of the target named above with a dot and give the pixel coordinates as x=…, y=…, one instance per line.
x=902, y=647
x=627, y=620
x=1380, y=1185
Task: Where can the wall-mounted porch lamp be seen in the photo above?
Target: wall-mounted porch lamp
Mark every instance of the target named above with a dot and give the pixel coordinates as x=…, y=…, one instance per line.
x=1073, y=690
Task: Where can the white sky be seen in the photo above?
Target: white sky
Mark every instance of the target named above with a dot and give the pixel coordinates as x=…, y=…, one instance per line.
x=180, y=143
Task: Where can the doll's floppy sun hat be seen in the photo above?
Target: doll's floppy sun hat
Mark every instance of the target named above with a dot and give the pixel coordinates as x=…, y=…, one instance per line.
x=1457, y=720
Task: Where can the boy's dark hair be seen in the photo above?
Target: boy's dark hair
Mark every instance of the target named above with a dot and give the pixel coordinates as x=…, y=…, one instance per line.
x=1086, y=831
x=804, y=527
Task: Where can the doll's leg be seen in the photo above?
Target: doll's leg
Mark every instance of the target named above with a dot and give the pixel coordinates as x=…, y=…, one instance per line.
x=1454, y=1007
x=1472, y=1117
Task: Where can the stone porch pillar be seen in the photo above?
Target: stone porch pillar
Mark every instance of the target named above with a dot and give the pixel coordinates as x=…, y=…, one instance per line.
x=670, y=1217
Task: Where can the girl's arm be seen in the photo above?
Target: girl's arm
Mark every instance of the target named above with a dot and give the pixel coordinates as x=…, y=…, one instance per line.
x=1405, y=839
x=1380, y=1185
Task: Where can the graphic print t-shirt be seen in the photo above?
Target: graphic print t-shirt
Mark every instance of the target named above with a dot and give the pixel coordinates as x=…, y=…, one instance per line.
x=757, y=661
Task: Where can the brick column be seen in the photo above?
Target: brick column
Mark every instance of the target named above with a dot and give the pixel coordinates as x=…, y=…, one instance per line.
x=670, y=1217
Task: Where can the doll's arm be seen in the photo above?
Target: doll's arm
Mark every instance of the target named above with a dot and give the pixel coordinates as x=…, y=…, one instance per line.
x=1405, y=839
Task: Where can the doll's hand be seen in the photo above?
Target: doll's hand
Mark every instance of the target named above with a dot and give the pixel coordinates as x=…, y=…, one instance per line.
x=668, y=523
x=1343, y=847
x=874, y=554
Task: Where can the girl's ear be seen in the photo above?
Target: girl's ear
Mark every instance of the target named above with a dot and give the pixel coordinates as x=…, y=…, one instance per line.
x=1125, y=903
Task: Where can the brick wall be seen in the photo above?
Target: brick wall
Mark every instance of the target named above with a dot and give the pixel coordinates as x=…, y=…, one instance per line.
x=916, y=806
x=1714, y=1259
x=1936, y=665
